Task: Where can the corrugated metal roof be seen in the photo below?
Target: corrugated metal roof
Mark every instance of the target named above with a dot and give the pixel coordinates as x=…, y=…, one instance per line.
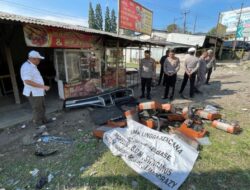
x=31, y=20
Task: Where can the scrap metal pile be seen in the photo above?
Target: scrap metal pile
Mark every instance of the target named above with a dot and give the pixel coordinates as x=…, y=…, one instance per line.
x=107, y=98
x=187, y=122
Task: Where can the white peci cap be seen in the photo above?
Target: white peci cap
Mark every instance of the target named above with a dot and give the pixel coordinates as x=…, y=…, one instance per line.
x=192, y=49
x=210, y=51
x=35, y=54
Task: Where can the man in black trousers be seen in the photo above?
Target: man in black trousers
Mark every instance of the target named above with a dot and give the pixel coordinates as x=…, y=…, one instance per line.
x=147, y=73
x=191, y=67
x=162, y=74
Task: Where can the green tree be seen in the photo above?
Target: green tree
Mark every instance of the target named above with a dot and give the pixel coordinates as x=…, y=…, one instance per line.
x=172, y=28
x=107, y=20
x=91, y=20
x=212, y=32
x=113, y=24
x=98, y=17
x=219, y=30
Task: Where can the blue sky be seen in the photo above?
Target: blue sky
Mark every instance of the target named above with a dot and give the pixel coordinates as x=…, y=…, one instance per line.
x=164, y=11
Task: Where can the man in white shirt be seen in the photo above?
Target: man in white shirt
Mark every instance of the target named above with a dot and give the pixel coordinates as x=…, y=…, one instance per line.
x=34, y=88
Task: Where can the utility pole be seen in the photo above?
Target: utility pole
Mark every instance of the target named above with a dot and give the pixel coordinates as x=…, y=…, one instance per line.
x=174, y=24
x=185, y=21
x=175, y=19
x=195, y=24
x=216, y=35
x=238, y=24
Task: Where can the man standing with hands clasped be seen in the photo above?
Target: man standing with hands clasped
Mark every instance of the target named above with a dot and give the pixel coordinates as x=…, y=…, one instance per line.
x=147, y=73
x=171, y=67
x=191, y=64
x=34, y=88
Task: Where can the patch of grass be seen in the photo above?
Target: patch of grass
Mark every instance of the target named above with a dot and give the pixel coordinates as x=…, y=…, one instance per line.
x=88, y=164
x=112, y=172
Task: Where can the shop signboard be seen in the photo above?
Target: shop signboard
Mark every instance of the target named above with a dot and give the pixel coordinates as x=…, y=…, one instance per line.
x=43, y=36
x=243, y=31
x=231, y=19
x=133, y=16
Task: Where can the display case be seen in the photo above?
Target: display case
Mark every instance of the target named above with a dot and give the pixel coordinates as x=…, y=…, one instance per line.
x=114, y=74
x=78, y=72
x=115, y=56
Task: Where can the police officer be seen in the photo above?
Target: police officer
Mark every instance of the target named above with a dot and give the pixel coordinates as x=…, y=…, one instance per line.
x=147, y=73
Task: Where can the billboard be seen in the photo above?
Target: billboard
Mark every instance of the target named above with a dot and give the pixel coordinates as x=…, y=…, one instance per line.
x=133, y=16
x=231, y=18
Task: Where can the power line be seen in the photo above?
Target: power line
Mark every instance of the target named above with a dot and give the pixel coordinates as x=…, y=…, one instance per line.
x=185, y=20
x=195, y=24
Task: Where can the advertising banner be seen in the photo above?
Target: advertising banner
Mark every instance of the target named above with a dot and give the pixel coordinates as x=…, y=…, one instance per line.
x=43, y=36
x=163, y=159
x=135, y=17
x=230, y=19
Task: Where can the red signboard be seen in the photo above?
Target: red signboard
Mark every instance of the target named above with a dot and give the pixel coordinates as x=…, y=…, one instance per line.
x=135, y=17
x=42, y=36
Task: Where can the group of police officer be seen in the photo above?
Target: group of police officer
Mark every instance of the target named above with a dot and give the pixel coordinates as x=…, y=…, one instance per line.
x=197, y=71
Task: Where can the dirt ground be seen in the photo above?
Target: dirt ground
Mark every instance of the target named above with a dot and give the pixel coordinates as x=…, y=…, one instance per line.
x=73, y=163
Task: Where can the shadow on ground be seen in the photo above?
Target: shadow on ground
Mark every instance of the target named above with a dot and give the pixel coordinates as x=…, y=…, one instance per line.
x=223, y=180
x=209, y=92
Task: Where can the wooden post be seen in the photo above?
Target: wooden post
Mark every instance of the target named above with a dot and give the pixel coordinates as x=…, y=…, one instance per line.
x=125, y=66
x=12, y=74
x=103, y=67
x=216, y=35
x=117, y=63
x=238, y=24
x=139, y=60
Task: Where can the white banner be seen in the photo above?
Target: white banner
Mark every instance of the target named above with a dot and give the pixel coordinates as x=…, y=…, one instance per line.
x=163, y=159
x=231, y=18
